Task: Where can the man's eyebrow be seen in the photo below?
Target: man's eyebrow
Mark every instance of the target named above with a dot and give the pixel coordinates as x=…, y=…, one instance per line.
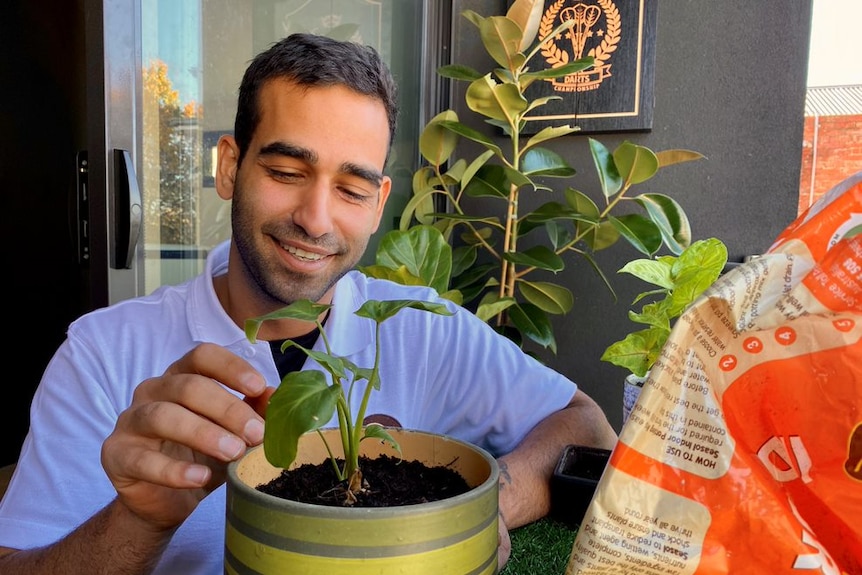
x=370, y=175
x=289, y=150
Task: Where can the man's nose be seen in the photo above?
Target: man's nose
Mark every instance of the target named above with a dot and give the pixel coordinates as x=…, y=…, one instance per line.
x=314, y=212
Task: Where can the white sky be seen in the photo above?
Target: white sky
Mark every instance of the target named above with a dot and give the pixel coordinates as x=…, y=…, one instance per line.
x=835, y=57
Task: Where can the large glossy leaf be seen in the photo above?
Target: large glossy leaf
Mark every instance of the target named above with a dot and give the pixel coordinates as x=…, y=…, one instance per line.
x=423, y=250
x=303, y=402
x=498, y=101
x=463, y=257
x=490, y=180
x=502, y=40
x=544, y=162
x=609, y=176
x=670, y=218
x=436, y=143
x=634, y=163
x=527, y=14
x=540, y=257
x=640, y=232
x=534, y=324
x=549, y=297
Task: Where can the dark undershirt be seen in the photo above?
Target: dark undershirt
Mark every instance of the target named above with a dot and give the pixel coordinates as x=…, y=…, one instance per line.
x=293, y=358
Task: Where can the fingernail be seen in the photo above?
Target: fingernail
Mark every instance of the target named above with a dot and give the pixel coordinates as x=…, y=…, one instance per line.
x=230, y=446
x=253, y=431
x=197, y=474
x=253, y=382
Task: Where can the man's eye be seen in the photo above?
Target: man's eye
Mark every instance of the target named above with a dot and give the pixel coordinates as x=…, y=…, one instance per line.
x=283, y=176
x=356, y=196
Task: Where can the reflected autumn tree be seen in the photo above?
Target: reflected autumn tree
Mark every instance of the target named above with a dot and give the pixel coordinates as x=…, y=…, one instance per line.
x=172, y=159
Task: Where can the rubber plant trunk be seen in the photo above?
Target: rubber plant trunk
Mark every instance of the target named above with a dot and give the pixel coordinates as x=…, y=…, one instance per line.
x=269, y=535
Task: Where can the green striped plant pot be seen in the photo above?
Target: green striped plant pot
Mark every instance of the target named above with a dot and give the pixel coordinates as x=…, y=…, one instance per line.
x=457, y=536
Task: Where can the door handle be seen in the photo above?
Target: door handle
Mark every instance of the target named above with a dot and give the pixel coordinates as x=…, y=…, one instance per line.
x=127, y=212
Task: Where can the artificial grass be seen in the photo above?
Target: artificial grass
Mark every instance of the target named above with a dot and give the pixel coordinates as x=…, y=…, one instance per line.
x=540, y=548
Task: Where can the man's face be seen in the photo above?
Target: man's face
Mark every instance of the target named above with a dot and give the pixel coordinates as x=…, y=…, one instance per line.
x=310, y=190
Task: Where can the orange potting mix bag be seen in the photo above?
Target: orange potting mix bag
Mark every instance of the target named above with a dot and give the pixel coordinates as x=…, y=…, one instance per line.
x=743, y=455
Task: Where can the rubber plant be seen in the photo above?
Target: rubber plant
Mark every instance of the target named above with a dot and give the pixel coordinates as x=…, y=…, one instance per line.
x=306, y=401
x=473, y=255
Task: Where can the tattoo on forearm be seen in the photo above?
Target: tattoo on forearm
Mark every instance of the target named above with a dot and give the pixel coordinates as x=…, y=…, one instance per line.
x=505, y=478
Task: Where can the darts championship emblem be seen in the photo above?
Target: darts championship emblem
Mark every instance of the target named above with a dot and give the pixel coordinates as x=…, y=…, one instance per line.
x=596, y=32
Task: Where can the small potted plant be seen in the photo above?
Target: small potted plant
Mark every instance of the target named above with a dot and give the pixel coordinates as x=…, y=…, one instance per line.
x=678, y=281
x=268, y=534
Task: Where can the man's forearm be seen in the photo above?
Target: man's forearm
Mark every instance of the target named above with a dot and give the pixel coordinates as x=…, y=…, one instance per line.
x=113, y=542
x=525, y=473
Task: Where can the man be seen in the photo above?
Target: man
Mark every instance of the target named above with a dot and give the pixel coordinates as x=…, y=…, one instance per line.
x=122, y=471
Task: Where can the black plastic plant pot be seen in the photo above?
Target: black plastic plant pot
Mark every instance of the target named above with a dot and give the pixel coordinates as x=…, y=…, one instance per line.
x=574, y=482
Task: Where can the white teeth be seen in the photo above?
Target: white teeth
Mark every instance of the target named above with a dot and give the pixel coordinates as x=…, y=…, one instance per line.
x=302, y=254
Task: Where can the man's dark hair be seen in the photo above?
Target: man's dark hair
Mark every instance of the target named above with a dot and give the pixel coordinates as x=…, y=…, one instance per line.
x=314, y=61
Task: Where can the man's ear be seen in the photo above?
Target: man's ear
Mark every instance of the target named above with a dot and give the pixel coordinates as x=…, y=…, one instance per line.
x=228, y=163
x=385, y=188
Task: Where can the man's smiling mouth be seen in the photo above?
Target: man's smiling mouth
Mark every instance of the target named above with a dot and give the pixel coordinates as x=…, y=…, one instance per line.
x=302, y=254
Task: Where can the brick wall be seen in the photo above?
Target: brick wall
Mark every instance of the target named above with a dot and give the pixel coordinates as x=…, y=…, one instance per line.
x=831, y=151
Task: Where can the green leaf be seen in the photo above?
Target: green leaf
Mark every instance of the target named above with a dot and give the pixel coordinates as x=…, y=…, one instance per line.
x=671, y=157
x=544, y=162
x=303, y=402
x=527, y=14
x=635, y=163
x=549, y=297
x=502, y=40
x=380, y=311
x=638, y=351
x=534, y=324
x=436, y=143
x=489, y=181
x=401, y=275
x=463, y=257
x=377, y=431
x=540, y=257
x=656, y=272
x=550, y=133
x=458, y=72
x=492, y=305
x=565, y=70
x=670, y=218
x=609, y=176
x=471, y=134
x=498, y=101
x=303, y=310
x=640, y=232
x=422, y=250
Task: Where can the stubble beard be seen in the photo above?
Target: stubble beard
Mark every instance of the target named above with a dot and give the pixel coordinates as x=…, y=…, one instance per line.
x=270, y=277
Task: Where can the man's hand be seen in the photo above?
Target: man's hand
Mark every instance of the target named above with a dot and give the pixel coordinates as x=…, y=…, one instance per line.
x=171, y=447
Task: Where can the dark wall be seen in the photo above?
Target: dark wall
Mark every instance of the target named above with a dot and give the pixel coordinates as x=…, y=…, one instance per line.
x=730, y=83
x=41, y=54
